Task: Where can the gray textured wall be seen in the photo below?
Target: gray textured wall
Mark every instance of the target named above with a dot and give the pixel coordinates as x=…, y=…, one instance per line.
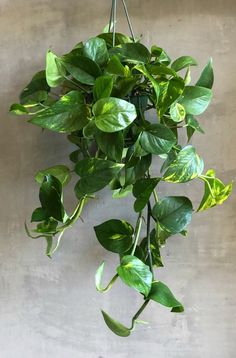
x=50, y=307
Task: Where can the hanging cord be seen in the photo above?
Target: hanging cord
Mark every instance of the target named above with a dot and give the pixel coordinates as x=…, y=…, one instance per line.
x=112, y=21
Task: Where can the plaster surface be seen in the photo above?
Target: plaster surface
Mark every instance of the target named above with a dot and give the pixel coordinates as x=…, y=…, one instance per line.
x=50, y=308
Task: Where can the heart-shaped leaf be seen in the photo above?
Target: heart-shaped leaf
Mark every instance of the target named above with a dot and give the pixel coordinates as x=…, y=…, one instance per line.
x=186, y=166
x=173, y=213
x=113, y=114
x=68, y=114
x=162, y=294
x=157, y=139
x=115, y=235
x=36, y=91
x=142, y=190
x=102, y=87
x=135, y=274
x=96, y=49
x=95, y=175
x=196, y=99
x=50, y=196
x=215, y=192
x=55, y=72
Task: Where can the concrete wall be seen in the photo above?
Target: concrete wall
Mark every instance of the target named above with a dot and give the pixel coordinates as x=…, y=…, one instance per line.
x=50, y=308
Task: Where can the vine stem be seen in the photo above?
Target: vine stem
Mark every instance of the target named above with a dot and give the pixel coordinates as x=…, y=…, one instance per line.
x=149, y=211
x=137, y=314
x=110, y=284
x=137, y=232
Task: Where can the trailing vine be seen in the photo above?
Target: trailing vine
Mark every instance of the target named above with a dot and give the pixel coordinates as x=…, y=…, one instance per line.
x=121, y=105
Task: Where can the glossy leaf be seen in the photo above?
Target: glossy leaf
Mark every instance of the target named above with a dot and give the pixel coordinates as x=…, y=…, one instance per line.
x=38, y=215
x=207, y=76
x=61, y=172
x=135, y=274
x=102, y=87
x=196, y=99
x=111, y=144
x=119, y=38
x=142, y=191
x=55, y=73
x=115, y=235
x=170, y=91
x=192, y=126
x=160, y=293
x=96, y=49
x=131, y=53
x=138, y=170
x=116, y=327
x=161, y=55
x=36, y=91
x=215, y=192
x=113, y=114
x=115, y=66
x=187, y=166
x=141, y=68
x=173, y=213
x=177, y=112
x=50, y=196
x=95, y=174
x=83, y=69
x=68, y=114
x=183, y=62
x=157, y=139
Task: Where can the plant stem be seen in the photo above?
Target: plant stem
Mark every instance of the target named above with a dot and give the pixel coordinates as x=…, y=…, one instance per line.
x=110, y=284
x=137, y=314
x=149, y=210
x=155, y=196
x=137, y=232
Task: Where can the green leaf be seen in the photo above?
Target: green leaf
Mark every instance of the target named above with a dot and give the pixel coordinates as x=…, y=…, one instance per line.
x=95, y=175
x=113, y=114
x=162, y=294
x=157, y=139
x=141, y=68
x=115, y=235
x=170, y=91
x=83, y=69
x=102, y=87
x=173, y=213
x=124, y=86
x=196, y=99
x=185, y=167
x=161, y=55
x=36, y=91
x=207, y=76
x=115, y=67
x=131, y=52
x=215, y=192
x=18, y=109
x=142, y=190
x=177, y=112
x=50, y=195
x=159, y=70
x=68, y=114
x=183, y=62
x=138, y=170
x=135, y=274
x=61, y=172
x=48, y=226
x=115, y=326
x=38, y=215
x=119, y=39
x=122, y=192
x=96, y=49
x=55, y=73
x=111, y=144
x=192, y=126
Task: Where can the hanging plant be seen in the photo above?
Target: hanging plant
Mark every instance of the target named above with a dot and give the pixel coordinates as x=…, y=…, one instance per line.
x=122, y=105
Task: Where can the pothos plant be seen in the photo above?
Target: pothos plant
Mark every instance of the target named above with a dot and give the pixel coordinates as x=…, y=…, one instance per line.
x=122, y=105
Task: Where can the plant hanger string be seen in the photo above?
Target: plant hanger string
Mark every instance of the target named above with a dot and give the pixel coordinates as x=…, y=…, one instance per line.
x=113, y=18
